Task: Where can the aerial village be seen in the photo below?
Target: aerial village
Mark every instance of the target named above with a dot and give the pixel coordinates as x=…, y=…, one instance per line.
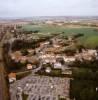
x=40, y=65
x=47, y=59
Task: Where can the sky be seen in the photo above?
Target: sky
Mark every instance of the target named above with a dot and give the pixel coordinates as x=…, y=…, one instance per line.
x=29, y=8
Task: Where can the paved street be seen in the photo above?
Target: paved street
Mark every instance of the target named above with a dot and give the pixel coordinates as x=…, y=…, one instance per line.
x=4, y=95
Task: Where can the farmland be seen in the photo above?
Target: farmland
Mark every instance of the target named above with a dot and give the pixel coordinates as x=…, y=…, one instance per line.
x=90, y=37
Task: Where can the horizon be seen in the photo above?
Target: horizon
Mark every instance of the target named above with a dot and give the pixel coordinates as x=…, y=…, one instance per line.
x=48, y=17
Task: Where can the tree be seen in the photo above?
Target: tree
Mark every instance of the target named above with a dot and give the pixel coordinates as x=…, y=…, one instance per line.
x=24, y=52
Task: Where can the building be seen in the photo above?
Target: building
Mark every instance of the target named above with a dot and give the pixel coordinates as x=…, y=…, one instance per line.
x=57, y=65
x=12, y=77
x=29, y=66
x=69, y=59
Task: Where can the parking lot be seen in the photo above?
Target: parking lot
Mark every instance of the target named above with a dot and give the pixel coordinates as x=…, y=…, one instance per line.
x=41, y=88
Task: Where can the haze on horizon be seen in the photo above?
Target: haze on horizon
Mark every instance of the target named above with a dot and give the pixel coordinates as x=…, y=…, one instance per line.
x=29, y=8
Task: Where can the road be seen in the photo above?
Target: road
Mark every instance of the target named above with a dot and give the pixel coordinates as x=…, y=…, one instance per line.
x=4, y=94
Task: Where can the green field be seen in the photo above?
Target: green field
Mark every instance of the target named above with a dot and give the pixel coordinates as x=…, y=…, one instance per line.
x=90, y=37
x=92, y=41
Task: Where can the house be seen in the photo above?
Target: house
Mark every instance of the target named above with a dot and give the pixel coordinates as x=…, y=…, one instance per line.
x=29, y=66
x=55, y=50
x=57, y=65
x=48, y=70
x=48, y=58
x=16, y=56
x=92, y=52
x=44, y=44
x=12, y=77
x=56, y=45
x=86, y=56
x=33, y=60
x=69, y=59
